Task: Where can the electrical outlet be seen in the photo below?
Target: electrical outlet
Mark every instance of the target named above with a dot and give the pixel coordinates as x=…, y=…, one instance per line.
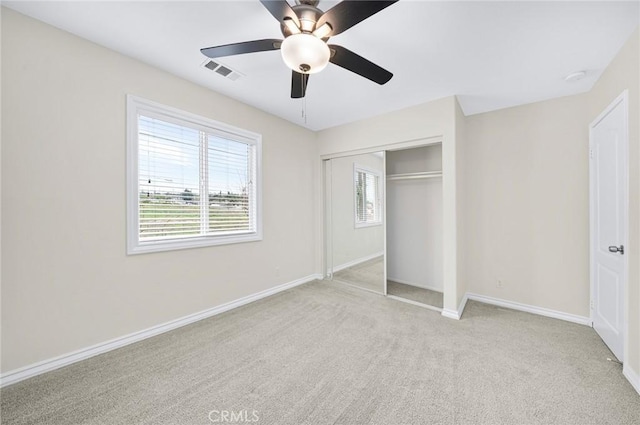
x=277, y=271
x=499, y=283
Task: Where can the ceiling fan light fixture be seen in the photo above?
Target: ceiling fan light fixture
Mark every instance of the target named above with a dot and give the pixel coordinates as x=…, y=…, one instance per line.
x=305, y=53
x=291, y=26
x=307, y=25
x=323, y=31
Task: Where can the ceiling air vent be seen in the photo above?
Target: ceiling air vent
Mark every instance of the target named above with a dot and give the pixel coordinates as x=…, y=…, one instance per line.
x=211, y=65
x=222, y=70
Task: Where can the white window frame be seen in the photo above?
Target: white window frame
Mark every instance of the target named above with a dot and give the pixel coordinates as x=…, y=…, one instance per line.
x=362, y=169
x=136, y=106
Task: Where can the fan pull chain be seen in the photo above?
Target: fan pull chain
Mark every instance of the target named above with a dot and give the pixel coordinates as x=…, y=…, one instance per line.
x=304, y=109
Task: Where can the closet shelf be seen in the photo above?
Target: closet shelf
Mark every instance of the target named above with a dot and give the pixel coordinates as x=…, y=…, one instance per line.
x=408, y=176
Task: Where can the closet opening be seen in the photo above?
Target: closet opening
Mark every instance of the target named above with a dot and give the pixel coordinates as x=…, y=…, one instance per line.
x=414, y=236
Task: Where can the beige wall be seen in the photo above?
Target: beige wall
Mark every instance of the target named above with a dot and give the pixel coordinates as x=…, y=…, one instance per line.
x=527, y=211
x=624, y=74
x=66, y=282
x=527, y=198
x=433, y=119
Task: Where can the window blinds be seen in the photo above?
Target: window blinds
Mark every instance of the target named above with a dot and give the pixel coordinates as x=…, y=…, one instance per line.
x=231, y=187
x=367, y=197
x=193, y=182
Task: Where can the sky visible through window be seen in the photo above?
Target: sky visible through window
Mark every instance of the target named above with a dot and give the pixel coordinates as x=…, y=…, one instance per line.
x=169, y=161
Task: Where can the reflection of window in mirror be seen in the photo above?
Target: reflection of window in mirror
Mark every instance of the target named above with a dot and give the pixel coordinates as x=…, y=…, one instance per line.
x=367, y=197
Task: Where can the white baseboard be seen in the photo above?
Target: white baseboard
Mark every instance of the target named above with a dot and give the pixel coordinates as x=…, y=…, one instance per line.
x=632, y=376
x=26, y=372
x=357, y=261
x=404, y=282
x=463, y=304
x=456, y=314
x=530, y=309
x=451, y=314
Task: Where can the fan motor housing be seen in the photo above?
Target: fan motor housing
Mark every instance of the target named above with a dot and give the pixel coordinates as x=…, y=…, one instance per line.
x=308, y=15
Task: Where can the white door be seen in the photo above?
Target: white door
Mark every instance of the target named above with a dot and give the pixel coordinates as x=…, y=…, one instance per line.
x=608, y=199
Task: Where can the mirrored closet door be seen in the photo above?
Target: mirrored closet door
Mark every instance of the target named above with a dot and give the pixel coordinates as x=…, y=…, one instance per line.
x=355, y=203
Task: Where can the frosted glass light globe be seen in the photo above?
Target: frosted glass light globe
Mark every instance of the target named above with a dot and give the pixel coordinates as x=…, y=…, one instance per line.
x=305, y=53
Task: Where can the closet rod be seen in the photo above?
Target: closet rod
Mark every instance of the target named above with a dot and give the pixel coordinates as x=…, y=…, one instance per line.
x=408, y=176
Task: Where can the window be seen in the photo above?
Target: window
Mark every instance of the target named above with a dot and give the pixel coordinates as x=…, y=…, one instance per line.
x=367, y=197
x=191, y=181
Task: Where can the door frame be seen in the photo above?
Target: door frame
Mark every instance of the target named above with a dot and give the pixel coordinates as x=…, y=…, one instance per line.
x=327, y=240
x=327, y=258
x=622, y=99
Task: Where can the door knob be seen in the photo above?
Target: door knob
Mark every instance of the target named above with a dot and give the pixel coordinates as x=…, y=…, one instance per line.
x=619, y=249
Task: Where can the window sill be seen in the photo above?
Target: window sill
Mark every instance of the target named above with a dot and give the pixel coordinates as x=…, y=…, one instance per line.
x=362, y=225
x=196, y=242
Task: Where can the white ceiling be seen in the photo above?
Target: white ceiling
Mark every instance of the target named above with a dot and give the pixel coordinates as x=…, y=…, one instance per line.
x=491, y=55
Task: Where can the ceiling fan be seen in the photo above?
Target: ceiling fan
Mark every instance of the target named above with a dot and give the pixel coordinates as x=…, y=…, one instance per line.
x=306, y=30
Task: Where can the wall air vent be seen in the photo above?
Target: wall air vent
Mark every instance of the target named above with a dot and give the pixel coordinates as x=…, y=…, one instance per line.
x=222, y=70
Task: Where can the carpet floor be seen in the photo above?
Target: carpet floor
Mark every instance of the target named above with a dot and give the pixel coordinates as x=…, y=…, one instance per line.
x=325, y=353
x=413, y=293
x=368, y=275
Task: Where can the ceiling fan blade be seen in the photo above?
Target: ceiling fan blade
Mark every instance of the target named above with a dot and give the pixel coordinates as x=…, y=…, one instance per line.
x=348, y=13
x=242, y=48
x=298, y=84
x=348, y=60
x=280, y=10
